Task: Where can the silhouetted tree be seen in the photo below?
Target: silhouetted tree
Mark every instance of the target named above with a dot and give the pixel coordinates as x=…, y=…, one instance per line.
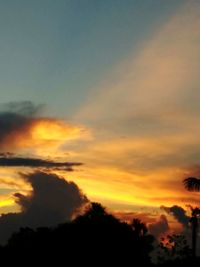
x=192, y=184
x=194, y=223
x=139, y=227
x=94, y=238
x=173, y=248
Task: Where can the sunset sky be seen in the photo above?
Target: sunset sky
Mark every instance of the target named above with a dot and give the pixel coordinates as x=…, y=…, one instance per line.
x=111, y=84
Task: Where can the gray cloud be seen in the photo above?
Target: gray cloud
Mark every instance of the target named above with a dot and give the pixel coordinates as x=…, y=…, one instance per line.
x=178, y=213
x=23, y=108
x=8, y=160
x=159, y=227
x=53, y=200
x=16, y=118
x=11, y=124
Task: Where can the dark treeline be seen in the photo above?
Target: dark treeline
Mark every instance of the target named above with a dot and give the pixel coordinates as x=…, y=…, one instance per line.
x=95, y=238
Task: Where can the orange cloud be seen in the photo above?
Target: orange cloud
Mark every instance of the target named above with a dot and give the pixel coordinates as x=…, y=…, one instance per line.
x=47, y=135
x=43, y=132
x=22, y=128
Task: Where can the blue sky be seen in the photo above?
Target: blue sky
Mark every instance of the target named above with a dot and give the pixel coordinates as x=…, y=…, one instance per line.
x=56, y=52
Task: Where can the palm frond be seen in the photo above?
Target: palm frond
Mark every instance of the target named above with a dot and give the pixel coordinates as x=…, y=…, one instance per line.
x=192, y=184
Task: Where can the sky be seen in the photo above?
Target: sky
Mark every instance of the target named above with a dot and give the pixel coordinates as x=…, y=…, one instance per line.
x=105, y=94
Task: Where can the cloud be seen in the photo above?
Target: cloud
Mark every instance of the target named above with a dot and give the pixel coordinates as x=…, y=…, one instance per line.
x=11, y=161
x=152, y=86
x=12, y=125
x=178, y=213
x=22, y=127
x=160, y=227
x=24, y=108
x=53, y=200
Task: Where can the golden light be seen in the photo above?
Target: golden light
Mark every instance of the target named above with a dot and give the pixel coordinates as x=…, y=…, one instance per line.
x=44, y=136
x=54, y=130
x=7, y=202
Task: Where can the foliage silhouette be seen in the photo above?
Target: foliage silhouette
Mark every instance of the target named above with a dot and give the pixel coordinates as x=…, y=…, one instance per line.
x=194, y=223
x=139, y=227
x=173, y=247
x=95, y=237
x=192, y=184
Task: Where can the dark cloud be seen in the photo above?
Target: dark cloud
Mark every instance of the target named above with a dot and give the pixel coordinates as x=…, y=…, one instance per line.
x=160, y=227
x=12, y=161
x=10, y=125
x=23, y=108
x=53, y=200
x=179, y=214
x=16, y=118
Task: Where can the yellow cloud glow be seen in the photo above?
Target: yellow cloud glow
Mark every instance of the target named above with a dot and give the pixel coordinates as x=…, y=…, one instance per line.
x=53, y=130
x=7, y=202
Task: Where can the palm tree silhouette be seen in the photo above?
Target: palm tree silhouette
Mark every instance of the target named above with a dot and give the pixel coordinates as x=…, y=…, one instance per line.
x=194, y=223
x=193, y=184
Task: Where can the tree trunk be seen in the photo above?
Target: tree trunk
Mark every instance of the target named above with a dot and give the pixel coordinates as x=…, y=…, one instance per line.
x=194, y=222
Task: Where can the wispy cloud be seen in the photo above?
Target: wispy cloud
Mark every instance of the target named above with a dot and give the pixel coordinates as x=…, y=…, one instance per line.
x=156, y=81
x=145, y=118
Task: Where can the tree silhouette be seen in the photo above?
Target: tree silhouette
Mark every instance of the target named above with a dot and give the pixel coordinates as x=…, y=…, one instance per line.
x=172, y=248
x=194, y=223
x=94, y=211
x=192, y=184
x=93, y=238
x=139, y=227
